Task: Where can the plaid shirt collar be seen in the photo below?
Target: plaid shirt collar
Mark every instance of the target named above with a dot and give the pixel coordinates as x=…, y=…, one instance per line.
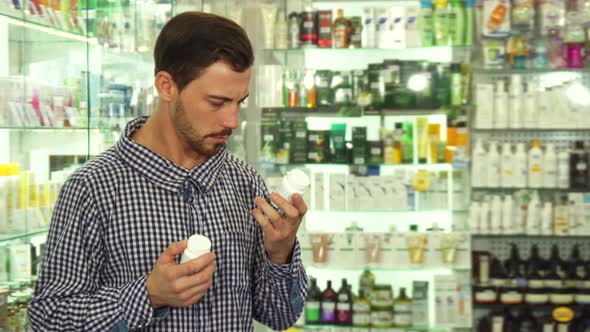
x=161, y=171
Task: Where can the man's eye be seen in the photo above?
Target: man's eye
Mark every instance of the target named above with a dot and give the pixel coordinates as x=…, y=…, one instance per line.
x=216, y=104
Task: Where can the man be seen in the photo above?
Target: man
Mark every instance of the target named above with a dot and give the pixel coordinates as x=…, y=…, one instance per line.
x=121, y=220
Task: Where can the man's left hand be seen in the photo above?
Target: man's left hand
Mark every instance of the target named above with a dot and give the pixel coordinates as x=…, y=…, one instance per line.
x=280, y=231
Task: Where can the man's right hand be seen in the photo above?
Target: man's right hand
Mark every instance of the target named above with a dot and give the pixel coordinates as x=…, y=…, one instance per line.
x=179, y=285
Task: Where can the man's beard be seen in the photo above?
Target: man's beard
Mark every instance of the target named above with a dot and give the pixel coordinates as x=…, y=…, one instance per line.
x=197, y=142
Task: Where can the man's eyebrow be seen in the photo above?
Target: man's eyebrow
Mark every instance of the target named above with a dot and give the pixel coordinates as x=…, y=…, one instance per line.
x=219, y=97
x=223, y=98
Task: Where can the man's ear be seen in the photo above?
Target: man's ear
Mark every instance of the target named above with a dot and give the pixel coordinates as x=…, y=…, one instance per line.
x=166, y=86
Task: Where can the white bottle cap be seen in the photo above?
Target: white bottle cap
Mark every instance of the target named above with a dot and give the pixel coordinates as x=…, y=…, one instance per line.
x=197, y=245
x=296, y=181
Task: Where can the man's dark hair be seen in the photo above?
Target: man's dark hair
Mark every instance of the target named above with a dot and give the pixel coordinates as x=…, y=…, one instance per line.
x=192, y=41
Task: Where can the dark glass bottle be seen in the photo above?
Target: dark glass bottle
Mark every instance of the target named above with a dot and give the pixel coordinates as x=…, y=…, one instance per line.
x=344, y=305
x=557, y=264
x=575, y=263
x=328, y=302
x=536, y=292
x=536, y=262
x=515, y=268
x=579, y=167
x=513, y=291
x=525, y=322
x=312, y=303
x=557, y=272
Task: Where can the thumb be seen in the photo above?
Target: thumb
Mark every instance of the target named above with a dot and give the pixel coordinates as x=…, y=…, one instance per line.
x=173, y=250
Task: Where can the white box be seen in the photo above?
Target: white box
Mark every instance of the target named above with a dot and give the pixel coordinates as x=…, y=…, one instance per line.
x=445, y=300
x=383, y=27
x=337, y=192
x=412, y=30
x=20, y=261
x=318, y=191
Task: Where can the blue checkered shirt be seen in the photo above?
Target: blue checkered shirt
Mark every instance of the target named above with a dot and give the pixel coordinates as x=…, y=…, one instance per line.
x=116, y=214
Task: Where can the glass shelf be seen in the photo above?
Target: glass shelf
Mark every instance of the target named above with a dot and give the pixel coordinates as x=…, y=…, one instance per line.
x=531, y=71
x=406, y=328
x=528, y=130
x=47, y=129
x=527, y=236
x=527, y=305
x=271, y=113
x=389, y=211
x=360, y=58
x=573, y=190
x=39, y=32
x=385, y=269
x=16, y=17
x=24, y=235
x=345, y=167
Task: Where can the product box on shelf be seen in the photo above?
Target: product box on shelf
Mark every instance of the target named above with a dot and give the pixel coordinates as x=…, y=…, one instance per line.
x=337, y=192
x=318, y=191
x=20, y=261
x=387, y=250
x=579, y=213
x=420, y=310
x=298, y=144
x=446, y=300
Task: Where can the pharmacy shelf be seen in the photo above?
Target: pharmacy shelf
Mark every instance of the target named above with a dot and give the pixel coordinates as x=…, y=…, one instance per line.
x=19, y=18
x=346, y=56
x=39, y=32
x=342, y=168
x=528, y=130
x=572, y=190
x=23, y=235
x=273, y=113
x=528, y=236
x=360, y=268
x=354, y=328
x=546, y=306
x=531, y=71
x=46, y=129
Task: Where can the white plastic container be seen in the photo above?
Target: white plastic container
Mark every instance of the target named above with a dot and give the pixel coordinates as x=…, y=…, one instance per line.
x=479, y=166
x=500, y=106
x=197, y=246
x=496, y=215
x=493, y=169
x=508, y=215
x=547, y=219
x=295, y=181
x=533, y=220
x=530, y=111
x=535, y=165
x=550, y=167
x=563, y=169
x=516, y=102
x=520, y=159
x=506, y=166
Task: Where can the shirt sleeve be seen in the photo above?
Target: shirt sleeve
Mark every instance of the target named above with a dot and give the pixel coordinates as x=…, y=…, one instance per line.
x=70, y=295
x=280, y=290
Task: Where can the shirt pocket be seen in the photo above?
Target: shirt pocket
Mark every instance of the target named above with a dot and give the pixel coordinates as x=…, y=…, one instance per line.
x=239, y=241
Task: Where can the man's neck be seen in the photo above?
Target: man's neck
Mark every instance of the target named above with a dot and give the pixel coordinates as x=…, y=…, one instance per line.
x=159, y=135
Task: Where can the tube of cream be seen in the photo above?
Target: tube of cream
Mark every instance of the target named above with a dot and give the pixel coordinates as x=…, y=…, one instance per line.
x=269, y=14
x=422, y=128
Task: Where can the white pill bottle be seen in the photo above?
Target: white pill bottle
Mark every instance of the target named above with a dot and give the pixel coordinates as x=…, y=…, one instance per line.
x=295, y=181
x=197, y=245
